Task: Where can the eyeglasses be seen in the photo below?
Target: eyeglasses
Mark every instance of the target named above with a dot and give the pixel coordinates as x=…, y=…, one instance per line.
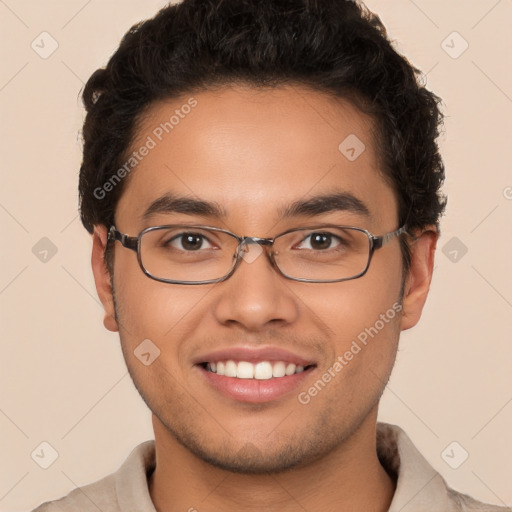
x=195, y=254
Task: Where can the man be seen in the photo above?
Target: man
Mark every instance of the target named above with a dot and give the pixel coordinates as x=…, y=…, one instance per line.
x=262, y=184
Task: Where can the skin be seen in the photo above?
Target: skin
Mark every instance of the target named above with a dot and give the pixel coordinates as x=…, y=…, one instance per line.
x=253, y=151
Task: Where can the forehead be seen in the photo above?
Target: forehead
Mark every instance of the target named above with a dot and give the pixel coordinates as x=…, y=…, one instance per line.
x=253, y=151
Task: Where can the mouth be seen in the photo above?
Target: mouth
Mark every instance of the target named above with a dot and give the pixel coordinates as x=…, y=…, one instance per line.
x=254, y=375
x=263, y=370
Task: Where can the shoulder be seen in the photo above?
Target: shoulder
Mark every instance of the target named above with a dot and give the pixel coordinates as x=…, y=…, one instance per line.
x=419, y=487
x=100, y=495
x=125, y=489
x=467, y=504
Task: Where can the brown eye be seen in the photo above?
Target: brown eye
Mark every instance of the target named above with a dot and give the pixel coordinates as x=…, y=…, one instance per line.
x=187, y=241
x=319, y=241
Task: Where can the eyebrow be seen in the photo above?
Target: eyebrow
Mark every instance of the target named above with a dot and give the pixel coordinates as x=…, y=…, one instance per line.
x=312, y=206
x=170, y=203
x=317, y=205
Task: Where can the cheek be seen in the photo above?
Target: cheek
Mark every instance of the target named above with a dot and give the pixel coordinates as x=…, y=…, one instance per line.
x=148, y=309
x=156, y=319
x=362, y=318
x=344, y=310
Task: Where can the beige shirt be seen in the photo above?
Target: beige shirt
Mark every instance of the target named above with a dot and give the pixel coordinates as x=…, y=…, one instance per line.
x=419, y=487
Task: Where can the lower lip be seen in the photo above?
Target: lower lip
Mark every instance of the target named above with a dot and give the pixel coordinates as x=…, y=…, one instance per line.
x=253, y=390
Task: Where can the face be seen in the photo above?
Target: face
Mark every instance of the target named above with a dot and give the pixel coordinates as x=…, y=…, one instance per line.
x=253, y=153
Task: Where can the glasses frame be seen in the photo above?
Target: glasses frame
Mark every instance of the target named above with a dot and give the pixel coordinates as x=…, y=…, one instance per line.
x=134, y=243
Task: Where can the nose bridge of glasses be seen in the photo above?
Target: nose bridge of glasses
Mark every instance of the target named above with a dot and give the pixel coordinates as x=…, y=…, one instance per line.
x=256, y=240
x=247, y=240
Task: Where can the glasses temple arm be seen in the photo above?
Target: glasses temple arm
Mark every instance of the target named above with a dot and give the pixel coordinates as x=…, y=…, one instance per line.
x=130, y=242
x=380, y=241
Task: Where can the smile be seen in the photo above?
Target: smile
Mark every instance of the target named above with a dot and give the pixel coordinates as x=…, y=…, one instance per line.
x=262, y=370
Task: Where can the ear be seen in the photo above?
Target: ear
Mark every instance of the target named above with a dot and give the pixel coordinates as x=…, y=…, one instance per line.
x=102, y=277
x=417, y=283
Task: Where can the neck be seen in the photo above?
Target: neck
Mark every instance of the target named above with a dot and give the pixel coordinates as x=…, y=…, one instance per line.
x=349, y=478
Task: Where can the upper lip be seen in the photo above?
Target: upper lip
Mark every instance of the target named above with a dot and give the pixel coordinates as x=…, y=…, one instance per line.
x=253, y=355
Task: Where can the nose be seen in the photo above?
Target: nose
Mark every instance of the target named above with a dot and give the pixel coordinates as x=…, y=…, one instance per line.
x=256, y=295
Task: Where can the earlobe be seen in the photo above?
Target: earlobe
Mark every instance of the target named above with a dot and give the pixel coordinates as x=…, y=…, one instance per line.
x=102, y=277
x=420, y=275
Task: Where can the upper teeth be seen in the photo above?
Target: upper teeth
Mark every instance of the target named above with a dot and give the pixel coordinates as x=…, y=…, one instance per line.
x=245, y=370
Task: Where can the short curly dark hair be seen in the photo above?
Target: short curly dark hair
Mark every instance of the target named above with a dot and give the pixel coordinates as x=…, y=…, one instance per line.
x=333, y=46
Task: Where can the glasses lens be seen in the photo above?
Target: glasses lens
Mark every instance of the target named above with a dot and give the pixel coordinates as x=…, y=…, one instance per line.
x=192, y=254
x=187, y=253
x=323, y=253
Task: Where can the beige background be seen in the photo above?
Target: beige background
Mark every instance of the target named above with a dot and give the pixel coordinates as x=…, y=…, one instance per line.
x=63, y=379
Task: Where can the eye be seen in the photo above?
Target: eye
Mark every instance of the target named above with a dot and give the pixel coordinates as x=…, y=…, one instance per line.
x=188, y=242
x=319, y=241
